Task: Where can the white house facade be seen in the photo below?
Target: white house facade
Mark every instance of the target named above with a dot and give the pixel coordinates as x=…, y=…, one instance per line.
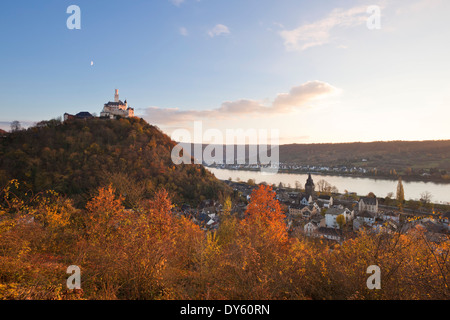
x=368, y=204
x=332, y=214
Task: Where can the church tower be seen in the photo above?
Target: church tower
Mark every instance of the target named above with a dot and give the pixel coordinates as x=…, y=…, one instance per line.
x=309, y=187
x=116, y=96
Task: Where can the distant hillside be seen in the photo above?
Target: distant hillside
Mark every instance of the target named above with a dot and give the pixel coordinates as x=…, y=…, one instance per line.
x=413, y=159
x=397, y=155
x=78, y=156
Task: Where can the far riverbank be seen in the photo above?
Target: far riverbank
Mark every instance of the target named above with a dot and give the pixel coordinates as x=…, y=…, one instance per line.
x=424, y=179
x=360, y=185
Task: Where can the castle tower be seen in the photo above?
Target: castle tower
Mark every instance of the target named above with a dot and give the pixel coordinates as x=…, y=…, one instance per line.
x=309, y=187
x=117, y=108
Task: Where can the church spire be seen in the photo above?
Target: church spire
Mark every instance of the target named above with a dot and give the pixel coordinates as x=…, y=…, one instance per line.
x=309, y=186
x=309, y=181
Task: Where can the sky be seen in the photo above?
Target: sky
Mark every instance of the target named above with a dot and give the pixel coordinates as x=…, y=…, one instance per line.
x=315, y=71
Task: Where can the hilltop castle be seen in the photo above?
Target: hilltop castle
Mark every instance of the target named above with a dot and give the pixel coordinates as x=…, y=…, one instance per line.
x=110, y=110
x=117, y=108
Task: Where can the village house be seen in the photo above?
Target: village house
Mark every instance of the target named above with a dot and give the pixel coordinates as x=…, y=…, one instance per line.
x=313, y=225
x=332, y=214
x=329, y=234
x=390, y=216
x=445, y=219
x=302, y=211
x=309, y=211
x=206, y=221
x=434, y=230
x=364, y=218
x=325, y=201
x=368, y=204
x=306, y=201
x=296, y=210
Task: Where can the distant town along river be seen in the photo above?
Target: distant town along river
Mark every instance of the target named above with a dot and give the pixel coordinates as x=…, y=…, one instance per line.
x=362, y=186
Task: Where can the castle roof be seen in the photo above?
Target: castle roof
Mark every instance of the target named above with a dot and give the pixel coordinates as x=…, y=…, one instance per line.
x=119, y=103
x=83, y=114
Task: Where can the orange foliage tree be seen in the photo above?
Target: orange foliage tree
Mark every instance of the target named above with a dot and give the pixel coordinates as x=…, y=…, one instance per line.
x=252, y=265
x=151, y=252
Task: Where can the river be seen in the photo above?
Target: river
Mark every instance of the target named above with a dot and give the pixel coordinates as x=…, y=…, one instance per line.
x=362, y=186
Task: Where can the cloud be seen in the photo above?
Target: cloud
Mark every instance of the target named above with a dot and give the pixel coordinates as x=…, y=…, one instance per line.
x=322, y=31
x=218, y=30
x=177, y=2
x=300, y=95
x=283, y=103
x=319, y=32
x=183, y=31
x=418, y=6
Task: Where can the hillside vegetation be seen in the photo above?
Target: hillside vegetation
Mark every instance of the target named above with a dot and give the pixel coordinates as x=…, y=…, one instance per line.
x=392, y=158
x=76, y=157
x=152, y=254
x=86, y=175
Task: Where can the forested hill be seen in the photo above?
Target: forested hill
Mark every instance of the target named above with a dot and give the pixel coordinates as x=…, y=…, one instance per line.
x=419, y=156
x=76, y=157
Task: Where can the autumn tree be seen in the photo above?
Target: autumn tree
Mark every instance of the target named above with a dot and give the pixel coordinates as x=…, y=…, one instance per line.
x=425, y=198
x=340, y=220
x=388, y=198
x=258, y=252
x=323, y=186
x=132, y=190
x=334, y=190
x=15, y=126
x=159, y=210
x=264, y=215
x=400, y=193
x=104, y=213
x=228, y=224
